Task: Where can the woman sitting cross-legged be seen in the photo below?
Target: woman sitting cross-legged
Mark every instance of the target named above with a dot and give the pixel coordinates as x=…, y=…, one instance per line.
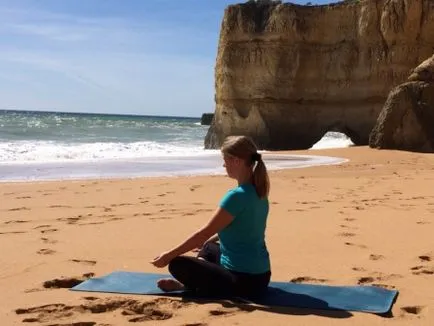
x=239, y=264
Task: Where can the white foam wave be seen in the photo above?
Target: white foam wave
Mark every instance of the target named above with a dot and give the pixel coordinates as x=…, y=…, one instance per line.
x=50, y=151
x=333, y=140
x=54, y=151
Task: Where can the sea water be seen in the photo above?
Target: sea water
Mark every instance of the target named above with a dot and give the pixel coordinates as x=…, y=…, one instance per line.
x=57, y=146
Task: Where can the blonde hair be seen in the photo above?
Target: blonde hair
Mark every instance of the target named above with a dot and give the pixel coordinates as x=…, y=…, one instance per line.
x=245, y=149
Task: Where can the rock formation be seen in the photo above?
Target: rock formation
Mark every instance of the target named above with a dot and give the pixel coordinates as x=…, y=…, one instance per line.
x=407, y=119
x=206, y=119
x=286, y=74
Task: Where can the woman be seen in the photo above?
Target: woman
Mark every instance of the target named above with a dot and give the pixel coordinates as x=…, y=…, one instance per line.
x=239, y=265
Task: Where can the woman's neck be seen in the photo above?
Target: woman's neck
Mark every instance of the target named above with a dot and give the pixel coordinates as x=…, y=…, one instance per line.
x=246, y=177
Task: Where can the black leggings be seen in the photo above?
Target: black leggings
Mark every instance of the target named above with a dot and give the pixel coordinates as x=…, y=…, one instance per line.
x=207, y=277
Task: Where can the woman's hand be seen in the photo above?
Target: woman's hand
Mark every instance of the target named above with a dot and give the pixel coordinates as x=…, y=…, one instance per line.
x=162, y=260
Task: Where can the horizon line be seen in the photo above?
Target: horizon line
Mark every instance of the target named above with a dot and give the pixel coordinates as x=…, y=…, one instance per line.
x=100, y=113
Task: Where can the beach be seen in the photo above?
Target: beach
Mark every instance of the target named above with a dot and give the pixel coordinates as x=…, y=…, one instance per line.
x=366, y=221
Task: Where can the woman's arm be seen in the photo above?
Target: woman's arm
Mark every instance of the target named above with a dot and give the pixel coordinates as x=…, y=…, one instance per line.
x=219, y=221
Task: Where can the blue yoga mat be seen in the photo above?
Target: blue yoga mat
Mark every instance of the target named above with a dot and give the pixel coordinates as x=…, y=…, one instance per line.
x=350, y=298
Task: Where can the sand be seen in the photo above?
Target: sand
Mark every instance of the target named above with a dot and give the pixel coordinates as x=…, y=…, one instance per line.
x=368, y=221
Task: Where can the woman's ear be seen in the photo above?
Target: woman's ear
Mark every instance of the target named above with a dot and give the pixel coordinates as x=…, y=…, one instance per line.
x=238, y=161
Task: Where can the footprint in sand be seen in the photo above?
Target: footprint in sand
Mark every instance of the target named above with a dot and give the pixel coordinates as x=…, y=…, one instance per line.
x=226, y=312
x=425, y=258
x=204, y=210
x=355, y=245
x=67, y=282
x=366, y=279
x=133, y=310
x=161, y=218
x=348, y=227
x=416, y=268
x=384, y=286
x=414, y=310
x=69, y=220
x=141, y=214
x=305, y=279
x=422, y=270
x=49, y=241
x=16, y=222
x=42, y=226
x=116, y=219
x=172, y=210
x=46, y=251
x=33, y=290
x=91, y=223
x=376, y=257
x=194, y=187
x=375, y=277
x=306, y=202
x=84, y=262
x=121, y=204
x=18, y=209
x=48, y=231
x=346, y=234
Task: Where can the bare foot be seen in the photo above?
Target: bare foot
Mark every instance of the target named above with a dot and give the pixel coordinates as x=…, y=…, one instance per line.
x=170, y=285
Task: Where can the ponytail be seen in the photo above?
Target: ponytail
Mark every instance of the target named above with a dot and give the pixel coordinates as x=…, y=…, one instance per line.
x=261, y=180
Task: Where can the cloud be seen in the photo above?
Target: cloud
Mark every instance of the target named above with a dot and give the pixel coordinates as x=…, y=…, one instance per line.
x=102, y=33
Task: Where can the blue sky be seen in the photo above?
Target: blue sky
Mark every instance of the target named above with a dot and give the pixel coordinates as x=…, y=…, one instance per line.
x=151, y=57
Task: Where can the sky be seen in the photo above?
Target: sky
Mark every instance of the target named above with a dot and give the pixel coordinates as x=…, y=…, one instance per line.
x=147, y=57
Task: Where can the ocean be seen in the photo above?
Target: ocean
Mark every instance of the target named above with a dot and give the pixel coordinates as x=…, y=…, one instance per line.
x=56, y=146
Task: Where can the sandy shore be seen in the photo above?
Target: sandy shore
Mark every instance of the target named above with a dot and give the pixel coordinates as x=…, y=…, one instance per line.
x=368, y=221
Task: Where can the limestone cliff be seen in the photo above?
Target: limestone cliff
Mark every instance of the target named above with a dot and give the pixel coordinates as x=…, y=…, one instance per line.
x=407, y=119
x=286, y=74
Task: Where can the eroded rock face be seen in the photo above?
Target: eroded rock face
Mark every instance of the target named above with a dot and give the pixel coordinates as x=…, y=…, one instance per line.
x=286, y=74
x=407, y=119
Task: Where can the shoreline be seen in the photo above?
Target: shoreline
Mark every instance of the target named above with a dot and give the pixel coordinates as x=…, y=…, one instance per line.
x=148, y=167
x=366, y=222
